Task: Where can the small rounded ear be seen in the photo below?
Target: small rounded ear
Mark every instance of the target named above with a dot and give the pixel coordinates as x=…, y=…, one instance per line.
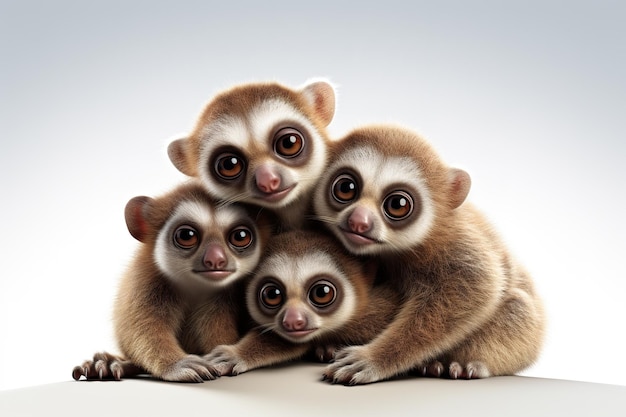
x=135, y=214
x=177, y=152
x=460, y=183
x=321, y=96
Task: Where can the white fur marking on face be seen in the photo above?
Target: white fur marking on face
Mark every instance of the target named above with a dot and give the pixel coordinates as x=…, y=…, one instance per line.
x=227, y=131
x=186, y=212
x=229, y=216
x=256, y=127
x=294, y=274
x=179, y=267
x=378, y=172
x=270, y=113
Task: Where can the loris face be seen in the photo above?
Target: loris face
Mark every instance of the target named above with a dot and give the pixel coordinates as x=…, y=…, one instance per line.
x=267, y=156
x=207, y=246
x=260, y=143
x=374, y=202
x=301, y=297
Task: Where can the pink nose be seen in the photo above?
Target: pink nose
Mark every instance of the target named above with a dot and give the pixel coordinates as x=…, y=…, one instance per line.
x=215, y=257
x=294, y=320
x=267, y=179
x=360, y=220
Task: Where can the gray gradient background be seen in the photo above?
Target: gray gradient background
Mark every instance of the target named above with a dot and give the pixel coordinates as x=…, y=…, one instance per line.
x=528, y=96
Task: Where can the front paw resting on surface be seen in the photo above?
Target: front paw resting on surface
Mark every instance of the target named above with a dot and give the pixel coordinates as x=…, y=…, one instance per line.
x=105, y=366
x=227, y=360
x=433, y=369
x=472, y=370
x=324, y=353
x=352, y=366
x=454, y=370
x=191, y=368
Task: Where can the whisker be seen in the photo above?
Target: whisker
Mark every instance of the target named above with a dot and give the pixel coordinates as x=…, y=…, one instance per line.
x=234, y=198
x=323, y=219
x=266, y=328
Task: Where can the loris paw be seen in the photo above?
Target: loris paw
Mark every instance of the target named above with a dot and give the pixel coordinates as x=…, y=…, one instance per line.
x=226, y=360
x=472, y=370
x=105, y=366
x=191, y=368
x=325, y=353
x=353, y=366
x=432, y=370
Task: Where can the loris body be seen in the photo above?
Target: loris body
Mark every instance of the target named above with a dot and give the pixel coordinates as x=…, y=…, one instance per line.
x=181, y=296
x=308, y=294
x=263, y=144
x=469, y=309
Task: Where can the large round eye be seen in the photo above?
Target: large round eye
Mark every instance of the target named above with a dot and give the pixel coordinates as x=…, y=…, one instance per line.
x=240, y=237
x=345, y=188
x=398, y=205
x=186, y=237
x=229, y=166
x=322, y=294
x=288, y=143
x=271, y=296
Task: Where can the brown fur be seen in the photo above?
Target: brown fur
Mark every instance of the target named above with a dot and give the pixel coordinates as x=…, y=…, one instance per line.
x=238, y=101
x=375, y=308
x=468, y=306
x=161, y=327
x=315, y=102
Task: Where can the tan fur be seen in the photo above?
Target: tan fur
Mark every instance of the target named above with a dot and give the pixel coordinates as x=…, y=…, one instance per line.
x=468, y=305
x=375, y=307
x=161, y=326
x=315, y=102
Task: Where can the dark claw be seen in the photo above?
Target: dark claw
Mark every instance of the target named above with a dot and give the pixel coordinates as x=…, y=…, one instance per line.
x=209, y=375
x=77, y=372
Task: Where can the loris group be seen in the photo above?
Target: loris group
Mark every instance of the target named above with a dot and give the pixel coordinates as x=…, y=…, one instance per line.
x=451, y=300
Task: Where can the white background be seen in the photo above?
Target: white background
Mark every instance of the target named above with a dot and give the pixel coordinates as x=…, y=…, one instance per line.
x=528, y=96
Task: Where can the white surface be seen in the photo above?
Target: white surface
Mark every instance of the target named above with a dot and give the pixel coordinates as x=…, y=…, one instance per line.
x=527, y=96
x=296, y=390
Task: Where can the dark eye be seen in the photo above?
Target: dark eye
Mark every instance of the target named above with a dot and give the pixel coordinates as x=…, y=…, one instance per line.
x=229, y=166
x=322, y=294
x=271, y=296
x=186, y=237
x=240, y=237
x=288, y=143
x=398, y=205
x=344, y=188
